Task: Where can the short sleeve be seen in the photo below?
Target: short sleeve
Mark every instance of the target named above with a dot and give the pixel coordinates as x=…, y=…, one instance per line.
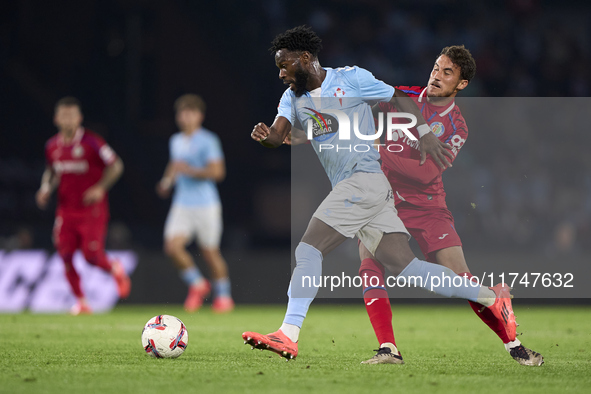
x=105, y=152
x=371, y=87
x=214, y=151
x=48, y=159
x=171, y=151
x=285, y=108
x=459, y=134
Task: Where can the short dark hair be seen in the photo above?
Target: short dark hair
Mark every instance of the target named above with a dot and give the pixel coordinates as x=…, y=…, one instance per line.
x=190, y=101
x=300, y=38
x=68, y=101
x=461, y=57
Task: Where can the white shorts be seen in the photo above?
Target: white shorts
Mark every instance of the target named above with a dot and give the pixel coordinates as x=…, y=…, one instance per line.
x=203, y=223
x=362, y=205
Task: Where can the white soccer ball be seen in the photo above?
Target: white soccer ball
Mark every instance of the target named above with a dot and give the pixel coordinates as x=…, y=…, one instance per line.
x=165, y=336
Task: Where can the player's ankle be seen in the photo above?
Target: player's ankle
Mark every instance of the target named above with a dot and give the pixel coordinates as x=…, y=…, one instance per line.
x=291, y=331
x=512, y=344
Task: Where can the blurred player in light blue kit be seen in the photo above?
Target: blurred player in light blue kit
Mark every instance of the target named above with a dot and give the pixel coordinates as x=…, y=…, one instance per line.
x=196, y=164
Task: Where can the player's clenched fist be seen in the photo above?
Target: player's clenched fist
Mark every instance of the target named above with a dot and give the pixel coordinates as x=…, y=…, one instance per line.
x=260, y=132
x=42, y=197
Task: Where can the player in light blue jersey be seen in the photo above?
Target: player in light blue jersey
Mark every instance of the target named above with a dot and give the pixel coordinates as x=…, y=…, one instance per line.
x=360, y=202
x=196, y=164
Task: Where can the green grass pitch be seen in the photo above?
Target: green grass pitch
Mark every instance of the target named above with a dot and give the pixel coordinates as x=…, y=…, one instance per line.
x=446, y=349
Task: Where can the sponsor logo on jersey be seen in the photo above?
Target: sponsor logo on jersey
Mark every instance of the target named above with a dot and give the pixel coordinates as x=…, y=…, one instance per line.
x=437, y=128
x=324, y=126
x=71, y=166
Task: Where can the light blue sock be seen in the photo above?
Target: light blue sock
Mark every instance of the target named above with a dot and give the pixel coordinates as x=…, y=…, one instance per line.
x=438, y=279
x=191, y=276
x=221, y=287
x=302, y=289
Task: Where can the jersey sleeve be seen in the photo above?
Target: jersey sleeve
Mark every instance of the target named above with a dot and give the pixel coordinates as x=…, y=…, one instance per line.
x=411, y=169
x=214, y=150
x=47, y=153
x=107, y=155
x=427, y=172
x=171, y=152
x=371, y=87
x=285, y=108
x=459, y=135
x=385, y=107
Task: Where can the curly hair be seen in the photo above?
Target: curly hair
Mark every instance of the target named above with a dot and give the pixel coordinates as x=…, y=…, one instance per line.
x=461, y=57
x=300, y=38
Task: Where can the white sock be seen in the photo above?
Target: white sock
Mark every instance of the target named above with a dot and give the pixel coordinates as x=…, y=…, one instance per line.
x=391, y=346
x=486, y=296
x=511, y=345
x=291, y=331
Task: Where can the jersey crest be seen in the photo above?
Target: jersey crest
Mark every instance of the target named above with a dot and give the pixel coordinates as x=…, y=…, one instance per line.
x=438, y=129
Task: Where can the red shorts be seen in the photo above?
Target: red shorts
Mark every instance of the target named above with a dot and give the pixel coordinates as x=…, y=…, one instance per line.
x=84, y=231
x=433, y=228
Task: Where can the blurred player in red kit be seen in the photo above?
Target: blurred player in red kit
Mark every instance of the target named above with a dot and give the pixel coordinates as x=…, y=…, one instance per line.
x=420, y=201
x=83, y=168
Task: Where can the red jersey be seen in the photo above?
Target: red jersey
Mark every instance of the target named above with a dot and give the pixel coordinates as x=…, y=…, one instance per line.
x=79, y=165
x=422, y=185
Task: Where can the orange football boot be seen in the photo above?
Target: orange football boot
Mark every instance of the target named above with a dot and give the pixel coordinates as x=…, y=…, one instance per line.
x=222, y=304
x=81, y=307
x=503, y=310
x=123, y=281
x=197, y=293
x=276, y=342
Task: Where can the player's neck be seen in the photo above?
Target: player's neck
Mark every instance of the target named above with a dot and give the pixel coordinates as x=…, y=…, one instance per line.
x=317, y=76
x=190, y=130
x=67, y=134
x=440, y=101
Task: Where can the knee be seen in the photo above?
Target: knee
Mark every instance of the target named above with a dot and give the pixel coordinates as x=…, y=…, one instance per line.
x=305, y=253
x=90, y=255
x=67, y=257
x=171, y=248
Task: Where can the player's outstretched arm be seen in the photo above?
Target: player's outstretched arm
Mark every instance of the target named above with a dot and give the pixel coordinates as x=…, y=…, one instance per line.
x=49, y=181
x=271, y=137
x=430, y=144
x=411, y=169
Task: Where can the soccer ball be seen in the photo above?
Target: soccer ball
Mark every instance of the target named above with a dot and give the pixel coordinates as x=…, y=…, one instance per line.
x=165, y=336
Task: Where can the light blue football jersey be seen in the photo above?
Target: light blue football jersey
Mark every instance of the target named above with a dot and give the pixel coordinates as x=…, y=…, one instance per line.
x=197, y=150
x=349, y=91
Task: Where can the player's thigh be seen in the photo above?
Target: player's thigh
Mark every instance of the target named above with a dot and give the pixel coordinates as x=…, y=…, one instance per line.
x=322, y=236
x=65, y=235
x=364, y=253
x=208, y=226
x=386, y=221
x=350, y=206
x=179, y=228
x=394, y=252
x=434, y=231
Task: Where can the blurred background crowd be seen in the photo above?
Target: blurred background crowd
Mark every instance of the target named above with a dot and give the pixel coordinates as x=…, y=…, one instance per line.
x=128, y=60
